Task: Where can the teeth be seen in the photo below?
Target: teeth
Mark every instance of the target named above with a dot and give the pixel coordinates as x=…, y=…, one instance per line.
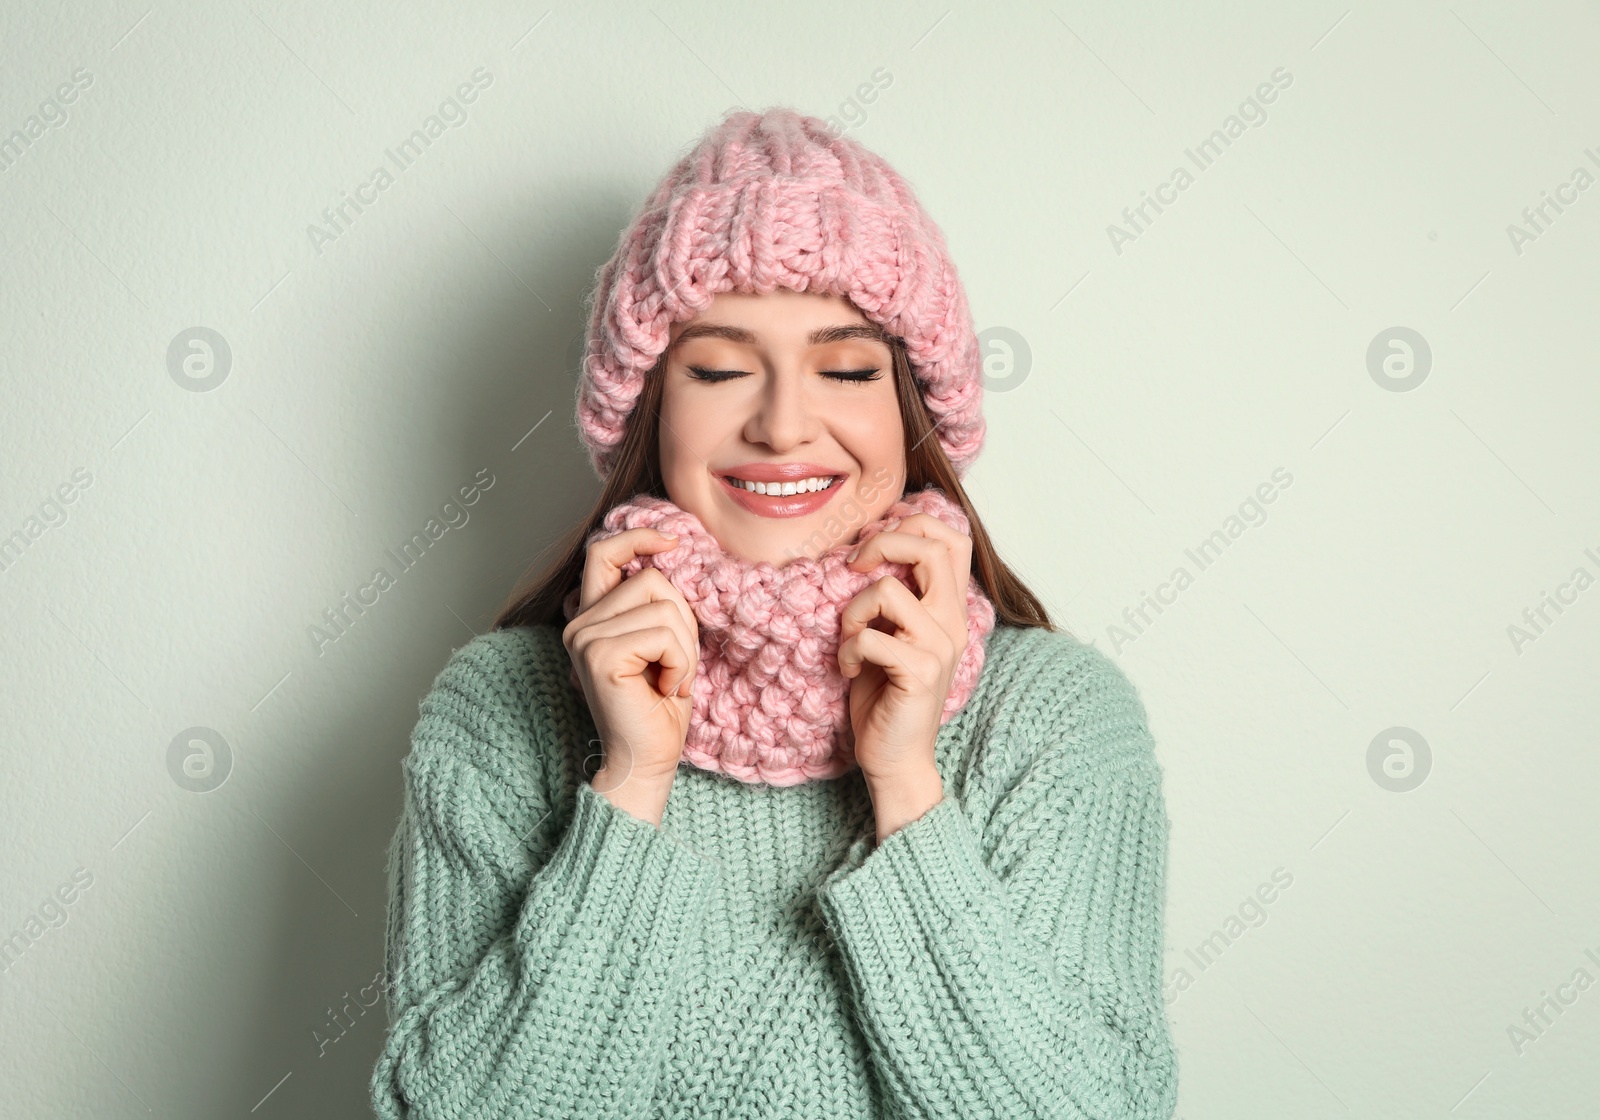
x=802, y=486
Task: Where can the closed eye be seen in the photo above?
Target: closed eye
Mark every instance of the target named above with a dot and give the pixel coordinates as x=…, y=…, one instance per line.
x=854, y=376
x=858, y=376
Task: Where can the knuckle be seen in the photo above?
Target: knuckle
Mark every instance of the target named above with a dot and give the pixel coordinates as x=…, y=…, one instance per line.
x=599, y=649
x=589, y=650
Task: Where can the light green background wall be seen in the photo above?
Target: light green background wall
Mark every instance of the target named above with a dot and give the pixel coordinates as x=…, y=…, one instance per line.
x=1169, y=380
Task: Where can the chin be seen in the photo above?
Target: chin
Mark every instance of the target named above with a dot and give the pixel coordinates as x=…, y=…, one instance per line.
x=777, y=549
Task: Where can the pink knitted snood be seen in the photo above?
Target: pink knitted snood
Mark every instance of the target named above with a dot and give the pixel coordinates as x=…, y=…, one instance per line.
x=769, y=703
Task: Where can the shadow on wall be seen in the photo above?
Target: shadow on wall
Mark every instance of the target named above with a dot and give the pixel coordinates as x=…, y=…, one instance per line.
x=319, y=1020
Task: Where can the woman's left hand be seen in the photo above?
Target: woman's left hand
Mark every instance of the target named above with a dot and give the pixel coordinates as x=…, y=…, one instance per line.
x=900, y=649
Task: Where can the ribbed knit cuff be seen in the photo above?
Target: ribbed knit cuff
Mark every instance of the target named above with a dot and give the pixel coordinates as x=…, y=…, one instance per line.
x=615, y=872
x=873, y=899
x=965, y=1015
x=934, y=975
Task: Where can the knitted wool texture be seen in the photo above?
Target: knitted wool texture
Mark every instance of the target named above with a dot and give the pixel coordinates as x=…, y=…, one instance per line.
x=757, y=955
x=770, y=200
x=769, y=703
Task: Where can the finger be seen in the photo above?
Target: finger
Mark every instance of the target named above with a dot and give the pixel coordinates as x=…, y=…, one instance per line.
x=908, y=667
x=894, y=602
x=648, y=585
x=632, y=653
x=929, y=560
x=947, y=601
x=604, y=586
x=603, y=563
x=626, y=609
x=651, y=586
x=645, y=616
x=926, y=545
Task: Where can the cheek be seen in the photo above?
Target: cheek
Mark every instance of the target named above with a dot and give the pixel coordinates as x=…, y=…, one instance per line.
x=685, y=434
x=871, y=429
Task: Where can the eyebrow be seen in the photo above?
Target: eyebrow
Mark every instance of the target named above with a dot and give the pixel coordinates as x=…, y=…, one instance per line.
x=819, y=337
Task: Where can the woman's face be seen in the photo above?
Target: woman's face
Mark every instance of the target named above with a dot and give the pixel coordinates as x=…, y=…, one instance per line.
x=789, y=386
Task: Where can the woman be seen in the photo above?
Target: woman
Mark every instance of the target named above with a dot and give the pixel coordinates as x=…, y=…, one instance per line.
x=779, y=795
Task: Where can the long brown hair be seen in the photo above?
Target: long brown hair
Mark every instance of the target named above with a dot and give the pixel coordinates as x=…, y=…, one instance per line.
x=636, y=469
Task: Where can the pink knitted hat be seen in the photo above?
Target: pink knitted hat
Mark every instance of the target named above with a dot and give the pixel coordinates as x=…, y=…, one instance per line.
x=774, y=200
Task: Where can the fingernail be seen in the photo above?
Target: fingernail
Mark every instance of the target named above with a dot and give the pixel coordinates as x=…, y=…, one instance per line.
x=851, y=558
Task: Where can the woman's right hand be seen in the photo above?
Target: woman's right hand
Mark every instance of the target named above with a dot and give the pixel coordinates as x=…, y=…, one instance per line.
x=635, y=646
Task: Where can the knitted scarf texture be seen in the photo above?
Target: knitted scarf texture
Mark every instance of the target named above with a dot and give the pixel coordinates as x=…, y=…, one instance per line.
x=769, y=704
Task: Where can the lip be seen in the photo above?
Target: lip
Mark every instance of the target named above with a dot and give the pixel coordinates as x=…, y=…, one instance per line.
x=795, y=505
x=780, y=472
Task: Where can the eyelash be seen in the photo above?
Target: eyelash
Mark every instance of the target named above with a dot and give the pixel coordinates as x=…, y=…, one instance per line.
x=850, y=376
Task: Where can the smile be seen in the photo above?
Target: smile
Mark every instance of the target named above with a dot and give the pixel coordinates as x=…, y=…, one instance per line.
x=789, y=498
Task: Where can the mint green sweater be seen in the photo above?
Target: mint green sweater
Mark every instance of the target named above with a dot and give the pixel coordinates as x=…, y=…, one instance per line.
x=759, y=955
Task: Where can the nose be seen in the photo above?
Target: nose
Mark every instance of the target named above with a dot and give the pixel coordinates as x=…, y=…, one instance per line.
x=783, y=417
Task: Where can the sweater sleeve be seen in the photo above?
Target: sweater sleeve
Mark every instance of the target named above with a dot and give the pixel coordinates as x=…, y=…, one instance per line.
x=527, y=976
x=1013, y=970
